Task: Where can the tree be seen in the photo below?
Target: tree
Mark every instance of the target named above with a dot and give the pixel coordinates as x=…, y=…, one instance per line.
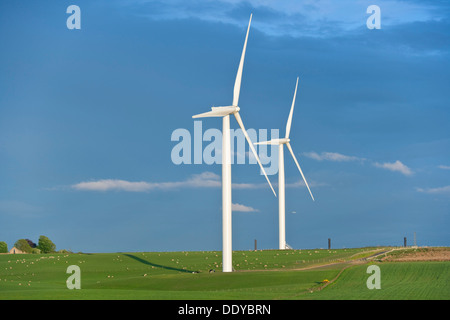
x=3, y=247
x=23, y=245
x=46, y=245
x=31, y=243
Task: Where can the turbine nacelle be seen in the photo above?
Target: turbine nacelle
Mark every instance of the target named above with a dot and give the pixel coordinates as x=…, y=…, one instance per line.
x=229, y=109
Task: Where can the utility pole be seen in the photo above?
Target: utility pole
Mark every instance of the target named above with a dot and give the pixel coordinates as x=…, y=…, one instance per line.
x=255, y=245
x=329, y=243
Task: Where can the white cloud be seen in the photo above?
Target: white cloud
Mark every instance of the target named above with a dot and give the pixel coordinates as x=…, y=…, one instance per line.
x=202, y=180
x=440, y=190
x=395, y=166
x=250, y=185
x=301, y=184
x=338, y=157
x=205, y=179
x=331, y=156
x=243, y=208
x=444, y=167
x=112, y=184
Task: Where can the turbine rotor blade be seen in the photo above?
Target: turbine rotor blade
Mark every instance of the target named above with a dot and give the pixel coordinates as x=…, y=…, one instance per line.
x=207, y=114
x=237, y=83
x=267, y=142
x=298, y=166
x=241, y=124
x=289, y=122
x=216, y=112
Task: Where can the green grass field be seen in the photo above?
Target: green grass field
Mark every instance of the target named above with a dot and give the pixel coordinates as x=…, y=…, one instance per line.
x=267, y=274
x=399, y=280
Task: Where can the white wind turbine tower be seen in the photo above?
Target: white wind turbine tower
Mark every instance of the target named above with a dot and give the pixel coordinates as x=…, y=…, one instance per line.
x=225, y=112
x=281, y=179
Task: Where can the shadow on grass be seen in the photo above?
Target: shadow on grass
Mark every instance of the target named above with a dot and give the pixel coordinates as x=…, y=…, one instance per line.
x=158, y=265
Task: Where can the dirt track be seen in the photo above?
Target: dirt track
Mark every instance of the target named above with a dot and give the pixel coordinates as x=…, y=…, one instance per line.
x=420, y=254
x=397, y=254
x=394, y=254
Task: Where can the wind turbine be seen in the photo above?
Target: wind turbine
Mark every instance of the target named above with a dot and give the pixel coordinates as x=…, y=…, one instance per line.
x=281, y=178
x=225, y=113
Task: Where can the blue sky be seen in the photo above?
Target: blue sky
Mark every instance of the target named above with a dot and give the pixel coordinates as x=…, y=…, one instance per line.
x=86, y=118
